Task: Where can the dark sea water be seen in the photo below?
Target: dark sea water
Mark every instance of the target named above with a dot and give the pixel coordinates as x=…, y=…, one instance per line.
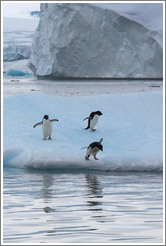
x=82, y=207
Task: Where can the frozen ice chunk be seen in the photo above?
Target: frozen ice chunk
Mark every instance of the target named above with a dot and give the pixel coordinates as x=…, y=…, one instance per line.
x=80, y=40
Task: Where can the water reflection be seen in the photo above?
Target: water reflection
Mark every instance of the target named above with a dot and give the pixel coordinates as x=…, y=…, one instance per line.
x=47, y=187
x=48, y=210
x=94, y=192
x=47, y=191
x=93, y=185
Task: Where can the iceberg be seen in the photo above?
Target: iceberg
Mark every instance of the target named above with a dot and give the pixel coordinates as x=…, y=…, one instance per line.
x=149, y=15
x=16, y=52
x=131, y=128
x=81, y=40
x=16, y=68
x=17, y=38
x=13, y=72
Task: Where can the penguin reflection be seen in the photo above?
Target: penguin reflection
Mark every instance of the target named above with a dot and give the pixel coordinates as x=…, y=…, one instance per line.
x=95, y=191
x=47, y=190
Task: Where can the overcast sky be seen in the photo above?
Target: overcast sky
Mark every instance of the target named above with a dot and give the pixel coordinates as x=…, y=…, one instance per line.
x=146, y=13
x=19, y=9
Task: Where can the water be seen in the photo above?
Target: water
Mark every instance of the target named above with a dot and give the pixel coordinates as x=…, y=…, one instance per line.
x=76, y=88
x=82, y=207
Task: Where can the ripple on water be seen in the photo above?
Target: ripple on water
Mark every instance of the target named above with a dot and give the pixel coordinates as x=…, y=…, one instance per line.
x=41, y=207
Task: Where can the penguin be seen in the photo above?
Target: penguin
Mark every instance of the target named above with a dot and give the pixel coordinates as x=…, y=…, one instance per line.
x=47, y=126
x=93, y=149
x=92, y=120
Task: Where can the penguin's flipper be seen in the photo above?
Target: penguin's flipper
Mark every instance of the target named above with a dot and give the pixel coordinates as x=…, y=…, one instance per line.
x=84, y=147
x=37, y=124
x=54, y=120
x=87, y=118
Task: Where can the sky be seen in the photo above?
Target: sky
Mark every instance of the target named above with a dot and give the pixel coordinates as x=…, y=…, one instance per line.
x=20, y=9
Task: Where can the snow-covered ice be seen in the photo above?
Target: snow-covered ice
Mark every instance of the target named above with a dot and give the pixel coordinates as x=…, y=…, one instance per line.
x=131, y=128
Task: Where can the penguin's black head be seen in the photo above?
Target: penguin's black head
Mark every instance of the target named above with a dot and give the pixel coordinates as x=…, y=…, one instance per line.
x=101, y=147
x=45, y=117
x=99, y=113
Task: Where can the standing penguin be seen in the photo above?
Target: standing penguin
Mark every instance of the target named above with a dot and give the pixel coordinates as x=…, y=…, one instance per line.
x=47, y=126
x=93, y=149
x=92, y=120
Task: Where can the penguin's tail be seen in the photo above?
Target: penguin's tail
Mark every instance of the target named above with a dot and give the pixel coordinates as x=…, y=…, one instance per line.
x=101, y=140
x=86, y=128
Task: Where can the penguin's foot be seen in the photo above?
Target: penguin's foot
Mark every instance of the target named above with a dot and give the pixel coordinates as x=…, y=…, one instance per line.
x=93, y=130
x=49, y=138
x=86, y=158
x=95, y=157
x=44, y=138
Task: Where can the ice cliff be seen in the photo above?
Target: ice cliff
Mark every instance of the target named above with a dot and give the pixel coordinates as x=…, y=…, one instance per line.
x=80, y=40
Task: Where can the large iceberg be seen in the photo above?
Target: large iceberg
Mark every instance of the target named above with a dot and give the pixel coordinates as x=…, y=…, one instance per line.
x=80, y=40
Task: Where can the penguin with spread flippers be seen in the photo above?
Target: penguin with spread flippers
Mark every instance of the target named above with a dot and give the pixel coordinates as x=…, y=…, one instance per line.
x=93, y=149
x=47, y=126
x=92, y=120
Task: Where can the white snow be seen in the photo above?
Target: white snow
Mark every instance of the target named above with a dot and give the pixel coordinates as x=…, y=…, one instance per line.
x=131, y=128
x=80, y=40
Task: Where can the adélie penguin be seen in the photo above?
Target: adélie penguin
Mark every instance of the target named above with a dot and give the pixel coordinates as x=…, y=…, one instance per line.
x=46, y=126
x=93, y=149
x=92, y=120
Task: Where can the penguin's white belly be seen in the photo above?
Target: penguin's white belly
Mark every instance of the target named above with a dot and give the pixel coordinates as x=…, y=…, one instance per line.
x=47, y=129
x=92, y=151
x=94, y=121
